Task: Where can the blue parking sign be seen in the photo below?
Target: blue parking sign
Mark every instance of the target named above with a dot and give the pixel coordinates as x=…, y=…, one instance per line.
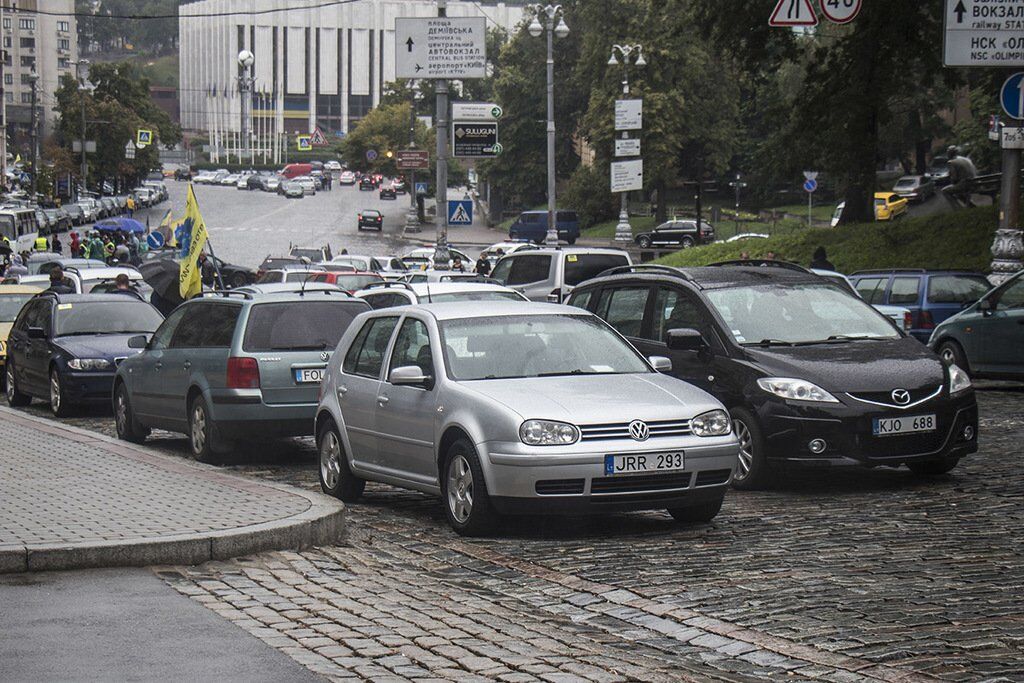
x=460, y=212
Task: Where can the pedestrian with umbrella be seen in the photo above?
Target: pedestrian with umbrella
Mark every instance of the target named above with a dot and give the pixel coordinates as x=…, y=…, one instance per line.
x=163, y=275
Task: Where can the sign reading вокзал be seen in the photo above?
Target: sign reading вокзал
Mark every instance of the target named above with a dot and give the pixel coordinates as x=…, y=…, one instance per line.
x=984, y=33
x=441, y=47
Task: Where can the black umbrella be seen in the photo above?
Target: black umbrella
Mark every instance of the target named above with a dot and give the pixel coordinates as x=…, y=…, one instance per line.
x=5, y=249
x=163, y=276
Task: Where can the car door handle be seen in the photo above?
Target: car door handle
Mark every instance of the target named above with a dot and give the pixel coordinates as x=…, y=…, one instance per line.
x=342, y=391
x=157, y=365
x=383, y=400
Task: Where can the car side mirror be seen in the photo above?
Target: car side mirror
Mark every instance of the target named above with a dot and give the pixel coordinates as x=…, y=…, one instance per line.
x=410, y=376
x=686, y=339
x=139, y=341
x=660, y=363
x=987, y=306
x=36, y=333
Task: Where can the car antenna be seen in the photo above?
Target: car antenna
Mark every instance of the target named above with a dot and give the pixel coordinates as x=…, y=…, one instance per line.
x=302, y=289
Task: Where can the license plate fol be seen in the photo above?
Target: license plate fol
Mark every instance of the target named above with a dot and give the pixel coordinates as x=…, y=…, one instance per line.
x=643, y=462
x=309, y=375
x=890, y=426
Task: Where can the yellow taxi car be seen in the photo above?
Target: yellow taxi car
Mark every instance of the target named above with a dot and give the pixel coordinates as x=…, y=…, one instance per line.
x=889, y=206
x=12, y=298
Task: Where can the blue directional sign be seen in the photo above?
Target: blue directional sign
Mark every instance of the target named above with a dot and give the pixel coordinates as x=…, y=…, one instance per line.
x=421, y=188
x=155, y=240
x=460, y=212
x=810, y=185
x=1012, y=96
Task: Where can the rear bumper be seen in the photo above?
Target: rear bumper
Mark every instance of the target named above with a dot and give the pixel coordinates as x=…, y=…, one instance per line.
x=241, y=413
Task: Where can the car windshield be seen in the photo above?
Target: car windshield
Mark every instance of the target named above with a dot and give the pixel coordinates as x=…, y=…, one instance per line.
x=489, y=295
x=107, y=317
x=513, y=347
x=298, y=325
x=10, y=304
x=907, y=182
x=797, y=314
x=353, y=282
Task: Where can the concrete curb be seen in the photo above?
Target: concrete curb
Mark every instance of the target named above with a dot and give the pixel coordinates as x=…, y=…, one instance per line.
x=321, y=523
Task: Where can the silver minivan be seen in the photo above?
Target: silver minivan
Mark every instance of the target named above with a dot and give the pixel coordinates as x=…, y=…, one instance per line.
x=550, y=274
x=515, y=407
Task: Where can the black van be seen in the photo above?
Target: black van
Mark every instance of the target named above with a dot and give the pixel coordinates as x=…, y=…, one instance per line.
x=533, y=226
x=811, y=374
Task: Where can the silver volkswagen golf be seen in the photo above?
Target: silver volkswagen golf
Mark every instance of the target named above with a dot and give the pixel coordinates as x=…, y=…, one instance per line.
x=506, y=408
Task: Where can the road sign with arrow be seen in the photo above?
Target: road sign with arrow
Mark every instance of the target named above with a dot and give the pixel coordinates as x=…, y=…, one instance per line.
x=984, y=33
x=1012, y=96
x=793, y=13
x=440, y=47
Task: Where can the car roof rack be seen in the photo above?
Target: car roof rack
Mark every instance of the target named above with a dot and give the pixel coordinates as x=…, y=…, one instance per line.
x=387, y=284
x=224, y=293
x=640, y=268
x=882, y=271
x=478, y=279
x=762, y=263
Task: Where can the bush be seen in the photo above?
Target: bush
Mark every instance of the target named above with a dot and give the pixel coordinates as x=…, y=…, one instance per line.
x=958, y=240
x=587, y=192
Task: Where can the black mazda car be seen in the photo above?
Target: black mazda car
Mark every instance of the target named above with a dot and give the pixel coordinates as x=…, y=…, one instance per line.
x=811, y=374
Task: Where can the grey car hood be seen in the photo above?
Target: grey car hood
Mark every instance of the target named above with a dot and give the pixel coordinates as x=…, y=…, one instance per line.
x=597, y=399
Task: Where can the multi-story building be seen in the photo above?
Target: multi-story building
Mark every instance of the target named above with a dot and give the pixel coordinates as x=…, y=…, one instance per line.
x=36, y=46
x=315, y=66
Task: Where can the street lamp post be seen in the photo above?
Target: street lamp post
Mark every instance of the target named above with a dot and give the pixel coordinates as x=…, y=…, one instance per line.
x=34, y=79
x=245, y=60
x=738, y=184
x=623, y=230
x=561, y=30
x=82, y=66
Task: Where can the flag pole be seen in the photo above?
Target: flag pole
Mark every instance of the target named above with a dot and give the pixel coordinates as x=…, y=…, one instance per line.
x=209, y=244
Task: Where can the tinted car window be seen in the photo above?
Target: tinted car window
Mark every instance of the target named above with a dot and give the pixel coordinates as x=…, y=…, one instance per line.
x=956, y=289
x=872, y=289
x=581, y=300
x=162, y=337
x=904, y=290
x=581, y=267
x=370, y=357
x=106, y=317
x=189, y=332
x=383, y=300
x=1013, y=296
x=352, y=355
x=220, y=326
x=674, y=310
x=10, y=305
x=412, y=347
x=623, y=308
x=529, y=268
x=475, y=296
x=296, y=325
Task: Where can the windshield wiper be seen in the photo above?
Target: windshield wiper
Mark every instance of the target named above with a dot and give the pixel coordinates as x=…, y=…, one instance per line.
x=854, y=337
x=571, y=372
x=770, y=342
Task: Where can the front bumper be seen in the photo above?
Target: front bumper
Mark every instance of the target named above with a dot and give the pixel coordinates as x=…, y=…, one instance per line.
x=525, y=480
x=87, y=387
x=846, y=429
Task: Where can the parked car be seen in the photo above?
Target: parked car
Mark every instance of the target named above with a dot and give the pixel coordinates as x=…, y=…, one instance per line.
x=533, y=226
x=683, y=233
x=371, y=219
x=332, y=165
x=350, y=282
x=76, y=213
x=225, y=368
x=900, y=316
x=12, y=298
x=355, y=262
x=550, y=274
x=347, y=178
x=64, y=348
x=931, y=296
x=388, y=192
x=314, y=254
x=502, y=443
x=426, y=276
x=499, y=249
x=88, y=209
x=938, y=171
x=915, y=188
x=292, y=171
x=391, y=267
x=889, y=206
x=987, y=338
x=307, y=183
x=422, y=258
x=389, y=294
x=57, y=222
x=299, y=274
x=810, y=374
x=91, y=278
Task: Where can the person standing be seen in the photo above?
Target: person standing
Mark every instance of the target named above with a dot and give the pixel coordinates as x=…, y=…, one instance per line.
x=130, y=205
x=56, y=246
x=41, y=244
x=483, y=266
x=820, y=260
x=58, y=284
x=75, y=246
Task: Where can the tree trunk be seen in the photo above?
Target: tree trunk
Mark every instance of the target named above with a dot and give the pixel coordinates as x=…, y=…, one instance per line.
x=921, y=152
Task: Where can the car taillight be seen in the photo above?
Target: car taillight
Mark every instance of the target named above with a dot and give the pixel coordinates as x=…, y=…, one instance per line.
x=908, y=321
x=243, y=373
x=924, y=320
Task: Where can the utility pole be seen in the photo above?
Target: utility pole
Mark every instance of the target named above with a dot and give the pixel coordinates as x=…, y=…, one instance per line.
x=83, y=88
x=442, y=257
x=34, y=77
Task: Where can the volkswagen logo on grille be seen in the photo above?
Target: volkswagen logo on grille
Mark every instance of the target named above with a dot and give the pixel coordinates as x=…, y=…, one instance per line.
x=324, y=356
x=900, y=397
x=639, y=431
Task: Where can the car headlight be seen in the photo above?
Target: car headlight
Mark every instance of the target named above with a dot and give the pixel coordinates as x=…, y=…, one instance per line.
x=958, y=380
x=795, y=390
x=548, y=433
x=89, y=363
x=711, y=423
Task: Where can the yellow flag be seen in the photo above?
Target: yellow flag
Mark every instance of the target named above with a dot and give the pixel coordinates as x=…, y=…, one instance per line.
x=17, y=159
x=190, y=282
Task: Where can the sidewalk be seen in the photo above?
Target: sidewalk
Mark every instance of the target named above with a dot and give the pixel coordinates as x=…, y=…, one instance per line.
x=70, y=498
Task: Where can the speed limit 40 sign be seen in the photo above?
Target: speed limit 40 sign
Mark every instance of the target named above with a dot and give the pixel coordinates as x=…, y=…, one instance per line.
x=840, y=11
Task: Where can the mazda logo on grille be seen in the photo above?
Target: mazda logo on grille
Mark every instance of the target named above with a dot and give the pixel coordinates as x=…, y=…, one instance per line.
x=900, y=397
x=639, y=430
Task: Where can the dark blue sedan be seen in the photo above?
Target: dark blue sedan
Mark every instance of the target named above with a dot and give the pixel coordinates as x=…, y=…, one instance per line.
x=65, y=348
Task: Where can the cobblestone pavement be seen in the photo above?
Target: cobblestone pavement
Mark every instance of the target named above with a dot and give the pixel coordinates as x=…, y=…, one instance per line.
x=839, y=576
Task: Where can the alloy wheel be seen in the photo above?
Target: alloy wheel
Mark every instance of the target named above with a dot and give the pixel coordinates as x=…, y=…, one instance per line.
x=121, y=413
x=198, y=428
x=947, y=355
x=460, y=488
x=10, y=384
x=330, y=460
x=746, y=459
x=55, y=393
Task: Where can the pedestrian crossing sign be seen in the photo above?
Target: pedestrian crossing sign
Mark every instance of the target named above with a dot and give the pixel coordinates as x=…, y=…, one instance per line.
x=460, y=212
x=317, y=138
x=143, y=137
x=421, y=188
x=302, y=143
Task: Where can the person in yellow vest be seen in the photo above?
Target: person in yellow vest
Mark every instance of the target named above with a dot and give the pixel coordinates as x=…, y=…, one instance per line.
x=42, y=244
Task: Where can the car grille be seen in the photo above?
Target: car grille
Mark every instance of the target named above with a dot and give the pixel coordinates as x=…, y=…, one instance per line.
x=712, y=477
x=620, y=430
x=885, y=397
x=633, y=484
x=559, y=487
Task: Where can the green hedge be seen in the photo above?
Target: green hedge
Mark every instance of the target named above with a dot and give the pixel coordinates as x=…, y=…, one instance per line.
x=959, y=240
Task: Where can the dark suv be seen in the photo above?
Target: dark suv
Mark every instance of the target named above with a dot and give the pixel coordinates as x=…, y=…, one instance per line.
x=681, y=233
x=810, y=373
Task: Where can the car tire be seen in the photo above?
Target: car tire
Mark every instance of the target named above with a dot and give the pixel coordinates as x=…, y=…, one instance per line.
x=15, y=397
x=697, y=514
x=239, y=280
x=644, y=242
x=203, y=440
x=952, y=353
x=931, y=468
x=686, y=243
x=59, y=405
x=467, y=504
x=128, y=428
x=752, y=470
x=336, y=478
